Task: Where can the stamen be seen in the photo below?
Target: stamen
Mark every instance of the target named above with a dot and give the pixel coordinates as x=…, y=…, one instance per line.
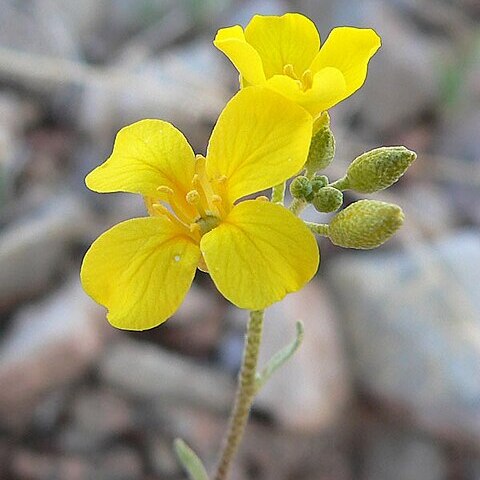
x=220, y=187
x=198, y=186
x=165, y=189
x=195, y=230
x=165, y=211
x=218, y=202
x=192, y=197
x=307, y=79
x=262, y=198
x=289, y=71
x=200, y=169
x=196, y=180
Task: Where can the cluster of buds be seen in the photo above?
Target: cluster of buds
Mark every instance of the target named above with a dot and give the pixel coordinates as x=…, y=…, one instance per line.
x=318, y=192
x=364, y=224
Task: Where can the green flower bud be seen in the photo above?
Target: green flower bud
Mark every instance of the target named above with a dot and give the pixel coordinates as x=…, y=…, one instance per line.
x=322, y=147
x=379, y=168
x=328, y=199
x=365, y=224
x=301, y=188
x=318, y=182
x=323, y=120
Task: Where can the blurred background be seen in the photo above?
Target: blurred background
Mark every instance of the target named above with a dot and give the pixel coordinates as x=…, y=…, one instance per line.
x=387, y=383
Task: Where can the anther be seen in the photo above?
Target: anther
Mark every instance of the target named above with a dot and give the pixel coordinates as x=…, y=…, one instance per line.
x=307, y=79
x=192, y=197
x=165, y=189
x=196, y=180
x=200, y=163
x=288, y=70
x=218, y=203
x=262, y=198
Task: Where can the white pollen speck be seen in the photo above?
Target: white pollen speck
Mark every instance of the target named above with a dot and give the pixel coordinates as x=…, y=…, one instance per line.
x=177, y=258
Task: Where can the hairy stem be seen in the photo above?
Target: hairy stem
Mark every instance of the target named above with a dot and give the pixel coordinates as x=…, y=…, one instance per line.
x=318, y=228
x=341, y=184
x=245, y=394
x=297, y=206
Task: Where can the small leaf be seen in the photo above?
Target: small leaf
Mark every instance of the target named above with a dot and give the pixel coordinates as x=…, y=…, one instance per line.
x=280, y=358
x=322, y=147
x=189, y=461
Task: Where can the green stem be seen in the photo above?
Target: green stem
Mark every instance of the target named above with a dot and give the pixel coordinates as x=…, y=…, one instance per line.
x=245, y=394
x=189, y=460
x=297, y=206
x=341, y=184
x=278, y=193
x=318, y=228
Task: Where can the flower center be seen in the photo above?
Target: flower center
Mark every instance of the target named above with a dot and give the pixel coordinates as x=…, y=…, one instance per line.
x=207, y=223
x=305, y=82
x=200, y=209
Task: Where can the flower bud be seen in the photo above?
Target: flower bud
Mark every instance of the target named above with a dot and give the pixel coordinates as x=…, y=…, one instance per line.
x=365, y=224
x=379, y=168
x=301, y=188
x=318, y=182
x=322, y=147
x=327, y=199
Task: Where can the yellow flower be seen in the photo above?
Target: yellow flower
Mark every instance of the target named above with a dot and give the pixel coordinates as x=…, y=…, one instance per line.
x=255, y=251
x=284, y=53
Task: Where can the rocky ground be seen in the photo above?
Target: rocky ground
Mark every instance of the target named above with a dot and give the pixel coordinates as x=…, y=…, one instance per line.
x=386, y=385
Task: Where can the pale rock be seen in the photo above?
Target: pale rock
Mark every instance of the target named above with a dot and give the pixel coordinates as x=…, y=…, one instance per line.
x=149, y=372
x=161, y=456
x=202, y=429
x=119, y=463
x=273, y=454
x=33, y=249
x=31, y=465
x=196, y=326
x=310, y=392
x=50, y=344
x=183, y=86
x=412, y=324
x=399, y=455
x=97, y=416
x=401, y=82
x=428, y=209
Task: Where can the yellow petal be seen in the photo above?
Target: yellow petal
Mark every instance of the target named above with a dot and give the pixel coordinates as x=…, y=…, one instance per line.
x=259, y=254
x=231, y=41
x=146, y=155
x=290, y=39
x=140, y=270
x=260, y=140
x=348, y=49
x=328, y=88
